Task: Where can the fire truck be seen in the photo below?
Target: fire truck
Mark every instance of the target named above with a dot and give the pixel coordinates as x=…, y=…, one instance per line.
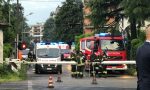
x=112, y=45
x=47, y=52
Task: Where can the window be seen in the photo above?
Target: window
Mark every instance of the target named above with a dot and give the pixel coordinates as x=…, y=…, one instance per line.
x=82, y=45
x=112, y=45
x=48, y=53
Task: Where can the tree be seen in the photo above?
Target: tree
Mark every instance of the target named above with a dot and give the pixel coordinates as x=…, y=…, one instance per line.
x=49, y=27
x=103, y=11
x=9, y=14
x=69, y=21
x=15, y=19
x=137, y=11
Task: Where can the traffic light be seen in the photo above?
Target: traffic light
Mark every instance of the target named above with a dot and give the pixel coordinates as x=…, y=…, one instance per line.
x=22, y=45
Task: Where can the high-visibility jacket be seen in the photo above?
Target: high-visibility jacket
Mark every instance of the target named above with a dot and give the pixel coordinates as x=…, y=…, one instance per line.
x=80, y=61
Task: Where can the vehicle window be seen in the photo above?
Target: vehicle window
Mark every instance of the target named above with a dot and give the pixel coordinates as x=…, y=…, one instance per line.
x=82, y=45
x=25, y=52
x=90, y=44
x=112, y=45
x=65, y=51
x=48, y=53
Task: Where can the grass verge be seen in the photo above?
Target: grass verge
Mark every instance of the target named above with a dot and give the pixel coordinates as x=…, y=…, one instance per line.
x=7, y=75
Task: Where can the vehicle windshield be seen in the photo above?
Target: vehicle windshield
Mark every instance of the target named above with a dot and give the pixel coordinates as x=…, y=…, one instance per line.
x=65, y=51
x=112, y=45
x=48, y=53
x=25, y=52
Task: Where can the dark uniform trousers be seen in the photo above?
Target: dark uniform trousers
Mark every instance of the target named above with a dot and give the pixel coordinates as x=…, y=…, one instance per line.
x=143, y=66
x=73, y=67
x=80, y=67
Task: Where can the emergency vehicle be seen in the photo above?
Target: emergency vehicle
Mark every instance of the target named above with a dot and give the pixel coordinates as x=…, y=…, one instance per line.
x=47, y=52
x=65, y=51
x=112, y=45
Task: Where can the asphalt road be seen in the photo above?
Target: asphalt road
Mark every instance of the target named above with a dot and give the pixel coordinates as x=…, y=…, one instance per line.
x=40, y=82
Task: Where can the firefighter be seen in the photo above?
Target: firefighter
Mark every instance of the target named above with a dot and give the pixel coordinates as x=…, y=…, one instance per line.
x=73, y=67
x=104, y=58
x=80, y=64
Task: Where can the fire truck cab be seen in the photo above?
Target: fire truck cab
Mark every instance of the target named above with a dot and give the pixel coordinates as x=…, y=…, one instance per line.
x=112, y=44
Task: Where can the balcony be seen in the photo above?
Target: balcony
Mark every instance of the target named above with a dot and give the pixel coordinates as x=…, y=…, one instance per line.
x=90, y=26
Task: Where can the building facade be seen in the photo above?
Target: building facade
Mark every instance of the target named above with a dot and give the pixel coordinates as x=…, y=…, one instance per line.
x=87, y=23
x=36, y=32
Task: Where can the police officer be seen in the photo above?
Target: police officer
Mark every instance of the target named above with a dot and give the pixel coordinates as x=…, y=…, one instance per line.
x=80, y=64
x=73, y=67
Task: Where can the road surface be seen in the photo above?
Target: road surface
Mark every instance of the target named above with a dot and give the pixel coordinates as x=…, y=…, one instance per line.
x=40, y=82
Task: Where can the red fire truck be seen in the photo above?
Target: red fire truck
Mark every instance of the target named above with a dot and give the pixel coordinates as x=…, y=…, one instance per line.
x=112, y=44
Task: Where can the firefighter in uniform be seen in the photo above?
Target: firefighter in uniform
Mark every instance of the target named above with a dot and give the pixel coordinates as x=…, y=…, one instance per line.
x=80, y=64
x=73, y=67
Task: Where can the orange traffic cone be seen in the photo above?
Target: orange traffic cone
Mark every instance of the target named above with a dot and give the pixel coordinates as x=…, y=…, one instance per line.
x=50, y=82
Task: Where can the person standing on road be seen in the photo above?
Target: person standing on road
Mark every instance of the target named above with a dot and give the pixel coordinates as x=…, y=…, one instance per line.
x=80, y=64
x=73, y=67
x=143, y=63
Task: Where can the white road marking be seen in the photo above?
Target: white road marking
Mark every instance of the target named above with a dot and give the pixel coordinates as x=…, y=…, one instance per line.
x=30, y=85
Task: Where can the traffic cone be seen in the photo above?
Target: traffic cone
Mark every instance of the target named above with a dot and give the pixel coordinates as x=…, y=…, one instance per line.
x=50, y=82
x=59, y=78
x=94, y=81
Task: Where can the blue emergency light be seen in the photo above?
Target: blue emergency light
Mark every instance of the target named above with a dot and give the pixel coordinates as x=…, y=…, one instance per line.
x=61, y=43
x=47, y=43
x=102, y=34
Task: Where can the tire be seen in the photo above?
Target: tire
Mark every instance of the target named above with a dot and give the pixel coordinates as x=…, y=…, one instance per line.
x=37, y=71
x=59, y=68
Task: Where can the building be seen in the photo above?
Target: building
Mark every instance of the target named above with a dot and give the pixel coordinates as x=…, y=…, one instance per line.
x=36, y=32
x=88, y=26
x=87, y=23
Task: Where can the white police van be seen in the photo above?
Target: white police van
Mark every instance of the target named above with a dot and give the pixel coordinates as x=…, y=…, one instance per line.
x=47, y=52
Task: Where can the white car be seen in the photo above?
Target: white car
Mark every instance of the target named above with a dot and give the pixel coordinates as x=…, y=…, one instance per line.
x=25, y=54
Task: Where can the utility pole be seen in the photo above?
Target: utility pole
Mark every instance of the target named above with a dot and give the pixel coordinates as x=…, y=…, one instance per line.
x=17, y=39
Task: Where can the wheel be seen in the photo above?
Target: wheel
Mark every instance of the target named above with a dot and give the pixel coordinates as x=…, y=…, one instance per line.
x=122, y=72
x=59, y=69
x=37, y=71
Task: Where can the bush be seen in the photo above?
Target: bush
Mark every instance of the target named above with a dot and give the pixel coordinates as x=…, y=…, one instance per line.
x=135, y=43
x=23, y=72
x=7, y=74
x=7, y=50
x=132, y=70
x=5, y=69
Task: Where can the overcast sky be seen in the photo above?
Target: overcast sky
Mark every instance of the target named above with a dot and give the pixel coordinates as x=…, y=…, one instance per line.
x=40, y=8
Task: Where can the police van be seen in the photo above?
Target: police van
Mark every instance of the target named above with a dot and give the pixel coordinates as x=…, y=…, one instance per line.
x=47, y=52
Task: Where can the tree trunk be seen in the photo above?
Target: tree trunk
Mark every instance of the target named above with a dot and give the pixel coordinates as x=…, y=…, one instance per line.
x=133, y=28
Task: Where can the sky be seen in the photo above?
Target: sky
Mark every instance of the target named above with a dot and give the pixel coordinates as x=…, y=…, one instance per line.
x=40, y=8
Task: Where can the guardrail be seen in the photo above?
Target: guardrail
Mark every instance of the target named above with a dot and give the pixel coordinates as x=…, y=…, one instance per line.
x=73, y=62
x=49, y=62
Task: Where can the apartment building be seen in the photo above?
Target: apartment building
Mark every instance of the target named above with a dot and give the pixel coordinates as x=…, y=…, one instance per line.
x=87, y=23
x=36, y=32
